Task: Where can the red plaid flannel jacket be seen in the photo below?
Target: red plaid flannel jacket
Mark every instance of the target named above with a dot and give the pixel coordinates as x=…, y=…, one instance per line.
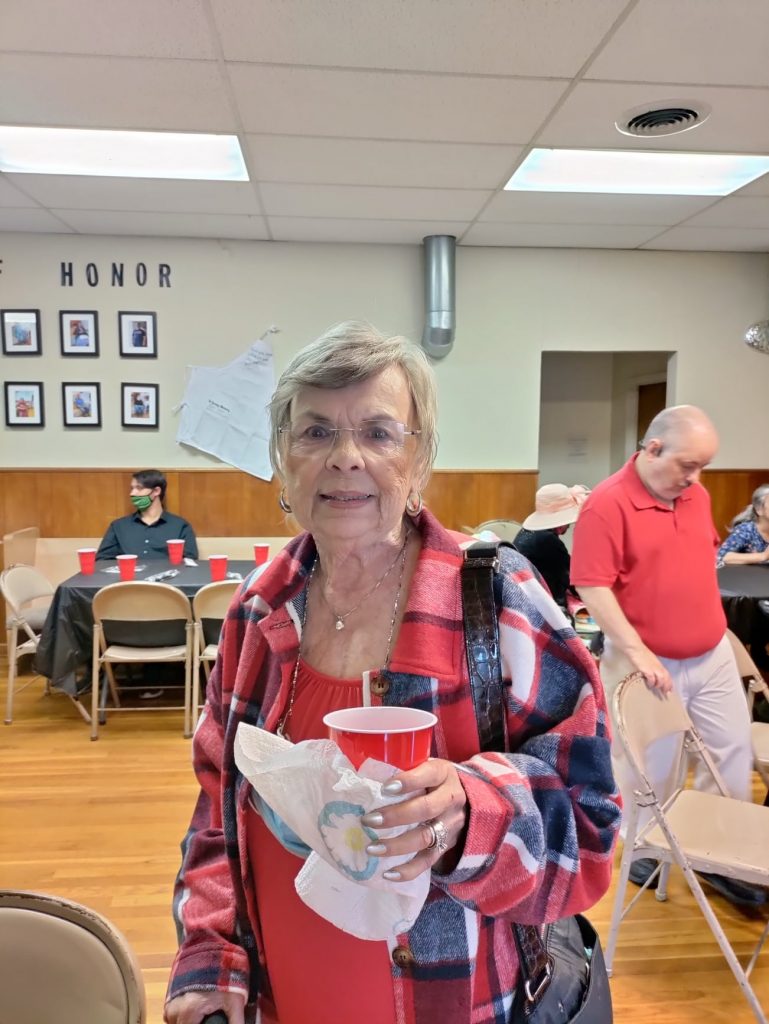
x=543, y=818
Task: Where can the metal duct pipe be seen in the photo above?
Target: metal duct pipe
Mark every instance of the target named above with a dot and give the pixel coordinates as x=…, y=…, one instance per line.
x=440, y=312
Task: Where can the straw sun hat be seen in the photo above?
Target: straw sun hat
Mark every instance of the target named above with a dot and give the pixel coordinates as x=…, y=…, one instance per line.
x=556, y=505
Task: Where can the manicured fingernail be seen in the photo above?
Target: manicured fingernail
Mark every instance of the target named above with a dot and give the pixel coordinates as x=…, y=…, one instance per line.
x=392, y=788
x=392, y=876
x=376, y=849
x=373, y=818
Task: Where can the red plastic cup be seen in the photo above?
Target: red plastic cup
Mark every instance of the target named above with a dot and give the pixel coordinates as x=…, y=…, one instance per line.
x=398, y=736
x=261, y=553
x=127, y=566
x=218, y=567
x=175, y=551
x=87, y=558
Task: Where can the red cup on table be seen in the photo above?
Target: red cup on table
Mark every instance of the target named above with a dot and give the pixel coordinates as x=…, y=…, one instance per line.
x=218, y=567
x=87, y=559
x=398, y=736
x=261, y=553
x=175, y=551
x=127, y=566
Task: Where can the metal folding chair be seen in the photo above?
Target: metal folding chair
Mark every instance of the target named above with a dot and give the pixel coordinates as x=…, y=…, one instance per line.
x=22, y=586
x=65, y=963
x=695, y=830
x=117, y=612
x=209, y=607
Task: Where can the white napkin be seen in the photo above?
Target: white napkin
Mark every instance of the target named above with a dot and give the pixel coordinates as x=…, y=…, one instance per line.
x=316, y=791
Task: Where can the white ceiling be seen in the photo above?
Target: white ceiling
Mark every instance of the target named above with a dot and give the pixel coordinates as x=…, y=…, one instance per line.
x=386, y=120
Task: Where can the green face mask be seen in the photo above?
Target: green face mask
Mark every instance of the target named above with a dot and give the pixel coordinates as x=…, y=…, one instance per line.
x=141, y=501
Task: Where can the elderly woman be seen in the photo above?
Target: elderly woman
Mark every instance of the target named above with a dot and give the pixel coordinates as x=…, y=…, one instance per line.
x=365, y=607
x=748, y=540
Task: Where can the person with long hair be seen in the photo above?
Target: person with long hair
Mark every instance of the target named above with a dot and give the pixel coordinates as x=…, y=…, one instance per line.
x=748, y=540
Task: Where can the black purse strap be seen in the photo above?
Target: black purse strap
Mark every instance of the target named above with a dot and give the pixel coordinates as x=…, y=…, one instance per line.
x=481, y=561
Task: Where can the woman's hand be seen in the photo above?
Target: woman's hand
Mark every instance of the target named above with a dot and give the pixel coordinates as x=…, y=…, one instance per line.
x=444, y=801
x=193, y=1007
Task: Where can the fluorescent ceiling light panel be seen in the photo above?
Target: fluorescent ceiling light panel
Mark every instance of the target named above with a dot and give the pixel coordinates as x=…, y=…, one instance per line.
x=121, y=154
x=634, y=173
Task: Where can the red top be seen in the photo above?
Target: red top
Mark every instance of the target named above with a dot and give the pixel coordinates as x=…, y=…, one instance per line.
x=317, y=971
x=659, y=562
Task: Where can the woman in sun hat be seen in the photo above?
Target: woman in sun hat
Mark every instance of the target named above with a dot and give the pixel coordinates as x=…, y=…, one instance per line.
x=556, y=507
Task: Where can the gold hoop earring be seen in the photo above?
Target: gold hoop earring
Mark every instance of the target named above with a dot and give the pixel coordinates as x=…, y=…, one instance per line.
x=284, y=503
x=414, y=504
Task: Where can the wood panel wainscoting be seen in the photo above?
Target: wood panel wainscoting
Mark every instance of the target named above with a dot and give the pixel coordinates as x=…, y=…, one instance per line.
x=730, y=491
x=228, y=503
x=81, y=502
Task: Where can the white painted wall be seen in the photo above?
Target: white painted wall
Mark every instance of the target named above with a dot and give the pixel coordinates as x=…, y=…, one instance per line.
x=512, y=304
x=575, y=417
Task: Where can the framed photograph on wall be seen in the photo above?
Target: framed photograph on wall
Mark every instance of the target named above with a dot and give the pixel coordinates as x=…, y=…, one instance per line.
x=82, y=405
x=79, y=332
x=139, y=403
x=21, y=332
x=138, y=335
x=24, y=404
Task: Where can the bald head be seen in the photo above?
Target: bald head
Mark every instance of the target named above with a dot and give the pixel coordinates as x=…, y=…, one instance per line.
x=674, y=424
x=678, y=445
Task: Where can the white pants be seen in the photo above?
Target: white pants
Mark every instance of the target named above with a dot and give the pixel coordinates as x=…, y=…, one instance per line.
x=713, y=695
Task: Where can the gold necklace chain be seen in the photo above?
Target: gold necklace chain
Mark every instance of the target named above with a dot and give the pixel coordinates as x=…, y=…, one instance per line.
x=283, y=723
x=339, y=619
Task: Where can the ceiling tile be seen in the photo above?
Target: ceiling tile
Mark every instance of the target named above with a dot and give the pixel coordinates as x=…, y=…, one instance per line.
x=734, y=212
x=565, y=236
x=712, y=240
x=690, y=41
x=469, y=36
x=738, y=123
x=372, y=203
x=174, y=28
x=11, y=196
x=585, y=208
x=392, y=232
x=378, y=105
x=164, y=225
x=31, y=220
x=149, y=194
x=294, y=158
x=111, y=92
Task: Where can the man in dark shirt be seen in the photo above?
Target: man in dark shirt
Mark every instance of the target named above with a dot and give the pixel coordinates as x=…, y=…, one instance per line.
x=146, y=531
x=556, y=508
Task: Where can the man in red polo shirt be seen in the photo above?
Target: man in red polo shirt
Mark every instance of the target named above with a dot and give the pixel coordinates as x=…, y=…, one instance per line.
x=643, y=562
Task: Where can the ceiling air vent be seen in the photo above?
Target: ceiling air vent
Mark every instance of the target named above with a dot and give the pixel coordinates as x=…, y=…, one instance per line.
x=652, y=122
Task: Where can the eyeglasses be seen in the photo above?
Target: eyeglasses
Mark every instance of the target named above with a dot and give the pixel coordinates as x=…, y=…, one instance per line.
x=378, y=437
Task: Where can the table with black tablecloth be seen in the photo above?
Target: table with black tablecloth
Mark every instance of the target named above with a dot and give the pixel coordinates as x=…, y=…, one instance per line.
x=67, y=637
x=742, y=587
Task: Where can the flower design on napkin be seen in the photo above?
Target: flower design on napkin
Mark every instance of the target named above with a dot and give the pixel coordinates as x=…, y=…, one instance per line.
x=346, y=838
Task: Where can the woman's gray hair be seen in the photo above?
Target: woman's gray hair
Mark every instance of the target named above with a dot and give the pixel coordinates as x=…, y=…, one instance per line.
x=751, y=512
x=348, y=353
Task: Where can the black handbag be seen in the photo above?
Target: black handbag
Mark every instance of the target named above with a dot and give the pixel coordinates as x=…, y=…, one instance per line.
x=563, y=974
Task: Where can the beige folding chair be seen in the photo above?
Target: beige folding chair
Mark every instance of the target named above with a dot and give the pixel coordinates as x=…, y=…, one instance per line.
x=63, y=962
x=21, y=586
x=759, y=731
x=118, y=610
x=695, y=830
x=20, y=547
x=209, y=607
x=505, y=529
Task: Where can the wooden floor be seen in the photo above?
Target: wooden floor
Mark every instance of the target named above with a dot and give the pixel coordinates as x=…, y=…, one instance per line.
x=100, y=823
